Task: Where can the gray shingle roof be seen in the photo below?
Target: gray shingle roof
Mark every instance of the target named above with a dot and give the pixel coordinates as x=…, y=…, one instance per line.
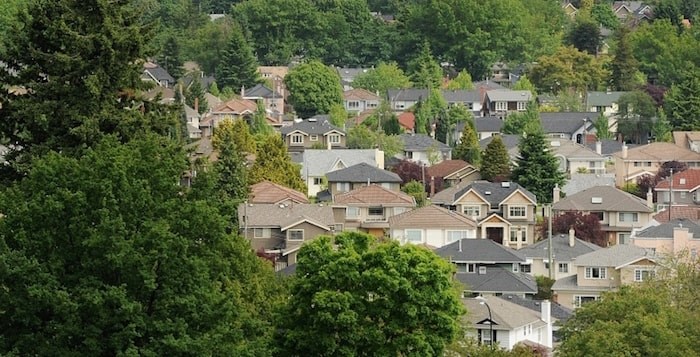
x=560, y=246
x=312, y=127
x=579, y=182
x=160, y=74
x=498, y=280
x=566, y=123
x=611, y=200
x=506, y=314
x=491, y=124
x=317, y=163
x=261, y=91
x=603, y=99
x=494, y=192
x=507, y=95
x=409, y=95
x=422, y=142
x=479, y=251
x=363, y=172
x=558, y=312
x=665, y=230
x=461, y=96
x=278, y=216
x=609, y=147
x=510, y=141
x=617, y=255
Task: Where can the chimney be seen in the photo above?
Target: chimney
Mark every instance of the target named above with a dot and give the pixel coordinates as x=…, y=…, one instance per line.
x=196, y=104
x=432, y=186
x=328, y=139
x=650, y=199
x=546, y=314
x=460, y=245
x=599, y=147
x=624, y=151
x=242, y=91
x=556, y=192
x=572, y=237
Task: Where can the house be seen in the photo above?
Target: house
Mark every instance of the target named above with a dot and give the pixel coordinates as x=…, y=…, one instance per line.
x=452, y=172
x=152, y=72
x=603, y=102
x=676, y=212
x=273, y=77
x=560, y=314
x=407, y=121
x=235, y=109
x=271, y=99
x=564, y=247
x=348, y=75
x=362, y=174
x=497, y=321
x=679, y=236
x=569, y=9
x=359, y=100
x=315, y=164
x=619, y=212
x=196, y=74
x=504, y=101
x=631, y=163
x=583, y=181
x=469, y=99
x=272, y=193
x=510, y=141
x=687, y=140
x=685, y=188
x=431, y=225
x=280, y=230
x=504, y=212
x=402, y=99
x=607, y=147
x=486, y=127
x=634, y=11
x=212, y=100
x=192, y=122
x=604, y=270
x=370, y=208
x=575, y=158
x=423, y=149
x=571, y=126
x=313, y=133
x=502, y=74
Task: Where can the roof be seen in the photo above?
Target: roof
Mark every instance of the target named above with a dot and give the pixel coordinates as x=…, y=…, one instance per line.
x=290, y=270
x=579, y=182
x=374, y=194
x=609, y=146
x=312, y=127
x=190, y=112
x=237, y=106
x=360, y=94
x=504, y=313
x=558, y=312
x=431, y=216
x=158, y=72
x=317, y=162
x=603, y=99
x=687, y=212
x=270, y=192
x=611, y=199
x=280, y=216
x=212, y=100
x=479, y=251
x=560, y=247
x=279, y=71
x=490, y=124
x=498, y=280
x=422, y=142
x=659, y=151
x=688, y=180
x=494, y=192
x=567, y=123
x=446, y=168
x=510, y=141
x=615, y=256
x=350, y=73
x=507, y=95
x=487, y=85
x=572, y=150
x=461, y=96
x=408, y=94
x=260, y=91
x=363, y=172
x=665, y=230
x=407, y=120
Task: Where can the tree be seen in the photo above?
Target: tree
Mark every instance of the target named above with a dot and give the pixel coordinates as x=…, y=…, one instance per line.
x=237, y=66
x=518, y=123
x=425, y=71
x=646, y=183
x=103, y=255
x=624, y=66
x=661, y=130
x=537, y=169
x=524, y=83
x=416, y=190
x=602, y=128
x=171, y=59
x=544, y=287
x=214, y=89
x=586, y=226
x=382, y=78
x=273, y=164
x=568, y=69
x=409, y=171
x=495, y=165
x=585, y=35
x=635, y=116
x=338, y=115
x=352, y=295
x=468, y=148
x=236, y=131
x=603, y=15
x=462, y=81
x=313, y=88
x=196, y=92
x=259, y=125
x=682, y=105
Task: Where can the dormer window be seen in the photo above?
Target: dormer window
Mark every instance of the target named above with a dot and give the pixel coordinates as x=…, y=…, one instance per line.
x=297, y=139
x=334, y=139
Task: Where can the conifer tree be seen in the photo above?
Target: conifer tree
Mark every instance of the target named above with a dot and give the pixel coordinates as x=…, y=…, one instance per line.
x=259, y=126
x=623, y=66
x=468, y=147
x=237, y=67
x=495, y=166
x=274, y=164
x=195, y=91
x=537, y=169
x=237, y=131
x=425, y=71
x=171, y=59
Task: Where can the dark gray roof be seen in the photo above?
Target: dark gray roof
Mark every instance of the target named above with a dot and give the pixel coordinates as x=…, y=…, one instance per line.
x=558, y=312
x=510, y=141
x=422, y=142
x=499, y=280
x=483, y=124
x=291, y=269
x=160, y=74
x=565, y=122
x=311, y=127
x=479, y=251
x=665, y=230
x=579, y=182
x=410, y=94
x=363, y=172
x=609, y=146
x=560, y=246
x=494, y=192
x=461, y=96
x=488, y=85
x=261, y=91
x=603, y=99
x=206, y=81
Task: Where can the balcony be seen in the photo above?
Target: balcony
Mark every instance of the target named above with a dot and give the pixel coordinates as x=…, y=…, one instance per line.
x=375, y=222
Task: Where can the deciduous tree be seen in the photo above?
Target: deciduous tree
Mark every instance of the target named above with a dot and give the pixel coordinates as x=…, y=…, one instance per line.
x=602, y=128
x=313, y=88
x=237, y=131
x=382, y=78
x=624, y=72
x=462, y=81
x=567, y=69
x=636, y=115
x=586, y=227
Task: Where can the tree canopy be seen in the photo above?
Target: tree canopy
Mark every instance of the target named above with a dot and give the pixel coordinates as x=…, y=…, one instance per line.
x=382, y=78
x=313, y=88
x=495, y=165
x=273, y=164
x=536, y=168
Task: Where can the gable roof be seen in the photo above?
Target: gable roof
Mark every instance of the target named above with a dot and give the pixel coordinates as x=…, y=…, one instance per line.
x=602, y=99
x=446, y=168
x=157, y=72
x=665, y=230
x=408, y=94
x=682, y=138
x=281, y=216
x=611, y=199
x=360, y=94
x=260, y=91
x=560, y=247
x=312, y=127
x=461, y=96
x=688, y=180
x=483, y=124
x=422, y=142
x=579, y=182
x=572, y=150
x=363, y=172
x=498, y=280
x=615, y=256
x=559, y=312
x=510, y=141
x=407, y=120
x=374, y=194
x=270, y=192
x=479, y=251
x=566, y=123
x=487, y=85
x=677, y=212
x=349, y=73
x=609, y=146
x=317, y=162
x=237, y=106
x=431, y=216
x=494, y=192
x=270, y=71
x=507, y=95
x=659, y=151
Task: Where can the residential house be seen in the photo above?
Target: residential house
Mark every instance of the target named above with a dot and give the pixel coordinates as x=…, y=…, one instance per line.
x=485, y=267
x=604, y=270
x=278, y=231
x=235, y=109
x=469, y=99
x=315, y=164
x=402, y=99
x=152, y=72
x=197, y=74
x=370, y=208
x=687, y=140
x=676, y=212
x=569, y=9
x=560, y=314
x=486, y=127
x=407, y=121
x=607, y=147
x=575, y=158
x=362, y=174
x=685, y=189
x=564, y=247
x=192, y=122
x=578, y=182
x=271, y=99
x=632, y=11
x=501, y=102
x=313, y=133
x=500, y=322
x=619, y=212
x=359, y=100
x=504, y=212
x=603, y=102
x=423, y=149
x=679, y=236
x=502, y=74
x=631, y=163
x=571, y=126
x=348, y=75
x=272, y=193
x=451, y=172
x=212, y=100
x=431, y=225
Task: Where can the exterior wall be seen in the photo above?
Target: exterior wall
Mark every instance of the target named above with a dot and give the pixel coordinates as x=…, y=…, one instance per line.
x=627, y=273
x=598, y=168
x=626, y=168
x=321, y=140
x=433, y=237
x=682, y=240
x=566, y=298
x=612, y=278
x=276, y=239
x=333, y=187
x=679, y=198
x=401, y=105
x=312, y=189
x=537, y=267
x=362, y=104
x=310, y=233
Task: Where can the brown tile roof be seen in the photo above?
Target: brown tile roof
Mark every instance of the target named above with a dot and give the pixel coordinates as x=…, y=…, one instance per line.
x=431, y=216
x=360, y=94
x=280, y=71
x=679, y=212
x=407, y=120
x=362, y=116
x=279, y=216
x=446, y=167
x=660, y=151
x=270, y=192
x=690, y=179
x=237, y=106
x=611, y=199
x=372, y=195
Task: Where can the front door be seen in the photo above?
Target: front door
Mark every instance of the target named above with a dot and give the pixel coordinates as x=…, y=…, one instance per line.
x=495, y=234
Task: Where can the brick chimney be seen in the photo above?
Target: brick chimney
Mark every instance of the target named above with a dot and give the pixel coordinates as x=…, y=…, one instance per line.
x=196, y=104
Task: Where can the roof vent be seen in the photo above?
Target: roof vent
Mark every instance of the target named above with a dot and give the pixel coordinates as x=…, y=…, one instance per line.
x=682, y=181
x=482, y=270
x=596, y=199
x=487, y=192
x=505, y=184
x=555, y=143
x=313, y=120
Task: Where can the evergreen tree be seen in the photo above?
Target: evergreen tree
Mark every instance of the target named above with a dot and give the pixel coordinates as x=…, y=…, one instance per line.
x=170, y=58
x=602, y=127
x=195, y=91
x=259, y=125
x=661, y=129
x=237, y=66
x=422, y=113
x=231, y=176
x=236, y=131
x=495, y=166
x=425, y=71
x=518, y=123
x=682, y=105
x=214, y=89
x=623, y=66
x=274, y=164
x=443, y=127
x=635, y=116
x=536, y=168
x=468, y=148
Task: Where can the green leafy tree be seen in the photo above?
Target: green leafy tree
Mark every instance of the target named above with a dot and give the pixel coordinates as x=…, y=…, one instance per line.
x=603, y=15
x=468, y=148
x=661, y=129
x=518, y=123
x=425, y=71
x=313, y=88
x=544, y=287
x=584, y=35
x=536, y=168
x=273, y=164
x=623, y=66
x=495, y=165
x=635, y=116
x=567, y=69
x=237, y=66
x=602, y=128
x=682, y=105
x=416, y=190
x=195, y=91
x=382, y=78
x=423, y=117
x=214, y=89
x=462, y=81
x=362, y=137
x=524, y=83
x=103, y=255
x=351, y=295
x=259, y=125
x=338, y=115
x=208, y=43
x=236, y=131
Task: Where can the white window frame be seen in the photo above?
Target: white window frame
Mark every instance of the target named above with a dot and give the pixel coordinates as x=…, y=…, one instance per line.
x=334, y=139
x=639, y=274
x=409, y=232
x=342, y=186
x=313, y=137
x=318, y=181
x=473, y=209
x=501, y=106
x=563, y=267
x=296, y=139
x=370, y=214
x=289, y=235
x=578, y=298
x=352, y=212
x=602, y=273
x=353, y=104
x=511, y=210
x=522, y=106
x=624, y=238
x=621, y=216
x=262, y=232
x=461, y=234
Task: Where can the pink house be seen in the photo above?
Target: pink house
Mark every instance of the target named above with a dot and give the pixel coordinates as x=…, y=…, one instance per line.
x=673, y=237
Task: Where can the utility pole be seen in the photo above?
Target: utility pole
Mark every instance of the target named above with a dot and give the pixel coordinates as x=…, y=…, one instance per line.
x=670, y=197
x=549, y=236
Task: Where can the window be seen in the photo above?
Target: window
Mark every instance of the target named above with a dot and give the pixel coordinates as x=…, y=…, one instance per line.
x=262, y=233
x=683, y=194
x=522, y=105
x=482, y=270
x=600, y=215
x=295, y=234
x=637, y=164
x=353, y=105
x=352, y=212
x=408, y=154
x=386, y=185
x=628, y=217
x=643, y=274
x=313, y=138
x=514, y=234
x=525, y=268
x=342, y=186
x=580, y=300
x=563, y=267
x=414, y=235
x=376, y=211
x=465, y=267
x=595, y=273
x=501, y=106
x=297, y=139
x=600, y=109
x=453, y=236
x=334, y=139
x=623, y=238
x=517, y=211
x=371, y=104
x=472, y=211
x=318, y=180
x=516, y=267
x=338, y=227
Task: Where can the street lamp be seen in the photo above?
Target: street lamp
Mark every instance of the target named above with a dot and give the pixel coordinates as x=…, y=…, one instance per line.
x=482, y=301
